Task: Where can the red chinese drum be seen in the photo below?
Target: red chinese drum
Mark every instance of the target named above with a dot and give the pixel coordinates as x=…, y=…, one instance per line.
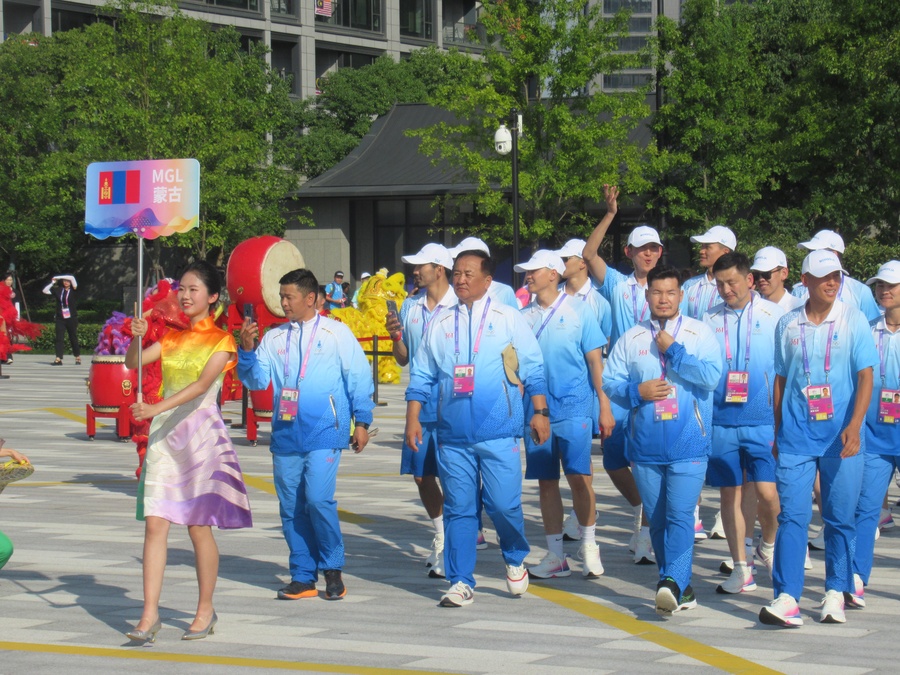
x=111, y=384
x=254, y=269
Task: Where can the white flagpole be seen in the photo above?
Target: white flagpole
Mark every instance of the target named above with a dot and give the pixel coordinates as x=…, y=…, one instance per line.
x=139, y=314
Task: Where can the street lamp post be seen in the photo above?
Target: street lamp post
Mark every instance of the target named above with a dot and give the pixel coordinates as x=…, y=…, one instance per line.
x=506, y=141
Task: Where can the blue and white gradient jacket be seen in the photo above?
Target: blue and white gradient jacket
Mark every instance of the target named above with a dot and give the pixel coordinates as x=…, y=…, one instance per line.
x=495, y=409
x=854, y=292
x=693, y=365
x=759, y=409
x=338, y=383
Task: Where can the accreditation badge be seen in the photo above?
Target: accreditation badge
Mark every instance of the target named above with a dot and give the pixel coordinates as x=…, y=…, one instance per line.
x=889, y=406
x=463, y=380
x=667, y=409
x=819, y=402
x=287, y=406
x=737, y=386
x=67, y=313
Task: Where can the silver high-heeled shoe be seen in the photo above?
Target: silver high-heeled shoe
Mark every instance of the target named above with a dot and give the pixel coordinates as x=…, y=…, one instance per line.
x=145, y=635
x=200, y=634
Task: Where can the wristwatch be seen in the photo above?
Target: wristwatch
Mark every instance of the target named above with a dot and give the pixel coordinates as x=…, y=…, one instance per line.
x=543, y=411
x=364, y=425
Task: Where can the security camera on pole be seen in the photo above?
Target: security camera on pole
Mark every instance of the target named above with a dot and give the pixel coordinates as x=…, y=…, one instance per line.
x=504, y=142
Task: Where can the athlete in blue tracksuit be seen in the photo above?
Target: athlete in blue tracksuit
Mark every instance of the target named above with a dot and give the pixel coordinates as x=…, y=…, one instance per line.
x=824, y=355
x=570, y=338
x=882, y=426
x=743, y=415
x=318, y=363
x=665, y=370
x=480, y=419
x=628, y=304
x=701, y=292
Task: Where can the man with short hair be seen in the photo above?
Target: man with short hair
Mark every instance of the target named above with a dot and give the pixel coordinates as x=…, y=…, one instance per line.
x=852, y=291
x=431, y=269
x=627, y=298
x=578, y=283
x=499, y=291
x=320, y=378
x=570, y=340
x=824, y=355
x=665, y=370
x=477, y=355
x=770, y=271
x=334, y=292
x=701, y=292
x=742, y=433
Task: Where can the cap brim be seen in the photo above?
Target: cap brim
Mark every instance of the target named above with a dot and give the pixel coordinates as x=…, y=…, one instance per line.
x=884, y=279
x=754, y=268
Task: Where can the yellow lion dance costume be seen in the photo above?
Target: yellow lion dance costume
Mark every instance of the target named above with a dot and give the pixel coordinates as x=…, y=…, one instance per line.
x=370, y=318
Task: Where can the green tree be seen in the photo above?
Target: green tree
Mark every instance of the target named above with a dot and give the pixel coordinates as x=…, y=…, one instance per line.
x=147, y=82
x=544, y=58
x=336, y=119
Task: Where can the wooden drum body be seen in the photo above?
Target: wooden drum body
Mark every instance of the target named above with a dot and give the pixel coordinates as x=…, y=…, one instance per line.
x=111, y=384
x=254, y=270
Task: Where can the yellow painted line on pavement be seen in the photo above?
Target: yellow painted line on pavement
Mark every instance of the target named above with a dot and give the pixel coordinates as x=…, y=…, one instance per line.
x=649, y=631
x=267, y=485
x=234, y=661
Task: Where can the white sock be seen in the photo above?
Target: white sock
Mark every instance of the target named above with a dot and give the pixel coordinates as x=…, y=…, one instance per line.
x=438, y=525
x=588, y=533
x=645, y=531
x=638, y=512
x=555, y=545
x=696, y=513
x=766, y=546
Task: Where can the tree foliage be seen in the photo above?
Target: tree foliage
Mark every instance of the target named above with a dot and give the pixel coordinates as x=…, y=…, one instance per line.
x=336, y=119
x=543, y=58
x=147, y=82
x=780, y=119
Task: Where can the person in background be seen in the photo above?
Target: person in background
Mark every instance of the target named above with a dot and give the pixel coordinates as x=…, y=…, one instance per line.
x=334, y=292
x=362, y=280
x=11, y=326
x=64, y=289
x=770, y=271
x=499, y=291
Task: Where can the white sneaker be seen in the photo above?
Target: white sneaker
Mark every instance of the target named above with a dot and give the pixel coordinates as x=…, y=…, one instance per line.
x=516, y=579
x=590, y=554
x=437, y=551
x=833, y=608
x=643, y=550
x=886, y=521
x=570, y=528
x=699, y=532
x=718, y=530
x=740, y=581
x=856, y=599
x=818, y=542
x=460, y=594
x=550, y=567
x=807, y=564
x=481, y=542
x=436, y=571
x=782, y=611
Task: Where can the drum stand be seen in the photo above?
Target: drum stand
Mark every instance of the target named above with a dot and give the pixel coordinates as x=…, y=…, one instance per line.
x=122, y=415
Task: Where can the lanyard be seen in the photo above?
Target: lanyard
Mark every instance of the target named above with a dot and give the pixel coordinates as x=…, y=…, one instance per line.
x=749, y=327
x=827, y=351
x=882, y=356
x=477, y=337
x=634, y=290
x=306, y=353
x=65, y=297
x=556, y=305
x=695, y=301
x=662, y=358
x=426, y=319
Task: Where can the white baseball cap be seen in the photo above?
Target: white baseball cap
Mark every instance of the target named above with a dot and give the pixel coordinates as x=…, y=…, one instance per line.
x=824, y=239
x=540, y=259
x=822, y=263
x=434, y=254
x=768, y=259
x=469, y=244
x=717, y=234
x=574, y=248
x=364, y=275
x=888, y=273
x=642, y=235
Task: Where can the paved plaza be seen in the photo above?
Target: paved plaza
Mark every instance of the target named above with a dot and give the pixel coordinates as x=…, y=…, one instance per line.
x=73, y=585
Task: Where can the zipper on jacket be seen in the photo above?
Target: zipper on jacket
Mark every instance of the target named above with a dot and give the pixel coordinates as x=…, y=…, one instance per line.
x=768, y=390
x=333, y=411
x=508, y=401
x=699, y=418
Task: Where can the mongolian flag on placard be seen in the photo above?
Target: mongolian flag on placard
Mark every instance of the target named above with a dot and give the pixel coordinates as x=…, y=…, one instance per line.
x=323, y=7
x=119, y=187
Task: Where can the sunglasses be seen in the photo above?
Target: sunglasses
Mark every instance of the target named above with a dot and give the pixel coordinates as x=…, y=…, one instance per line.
x=765, y=276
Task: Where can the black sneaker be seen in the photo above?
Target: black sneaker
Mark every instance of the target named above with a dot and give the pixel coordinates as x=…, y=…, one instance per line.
x=667, y=596
x=688, y=599
x=334, y=586
x=296, y=590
